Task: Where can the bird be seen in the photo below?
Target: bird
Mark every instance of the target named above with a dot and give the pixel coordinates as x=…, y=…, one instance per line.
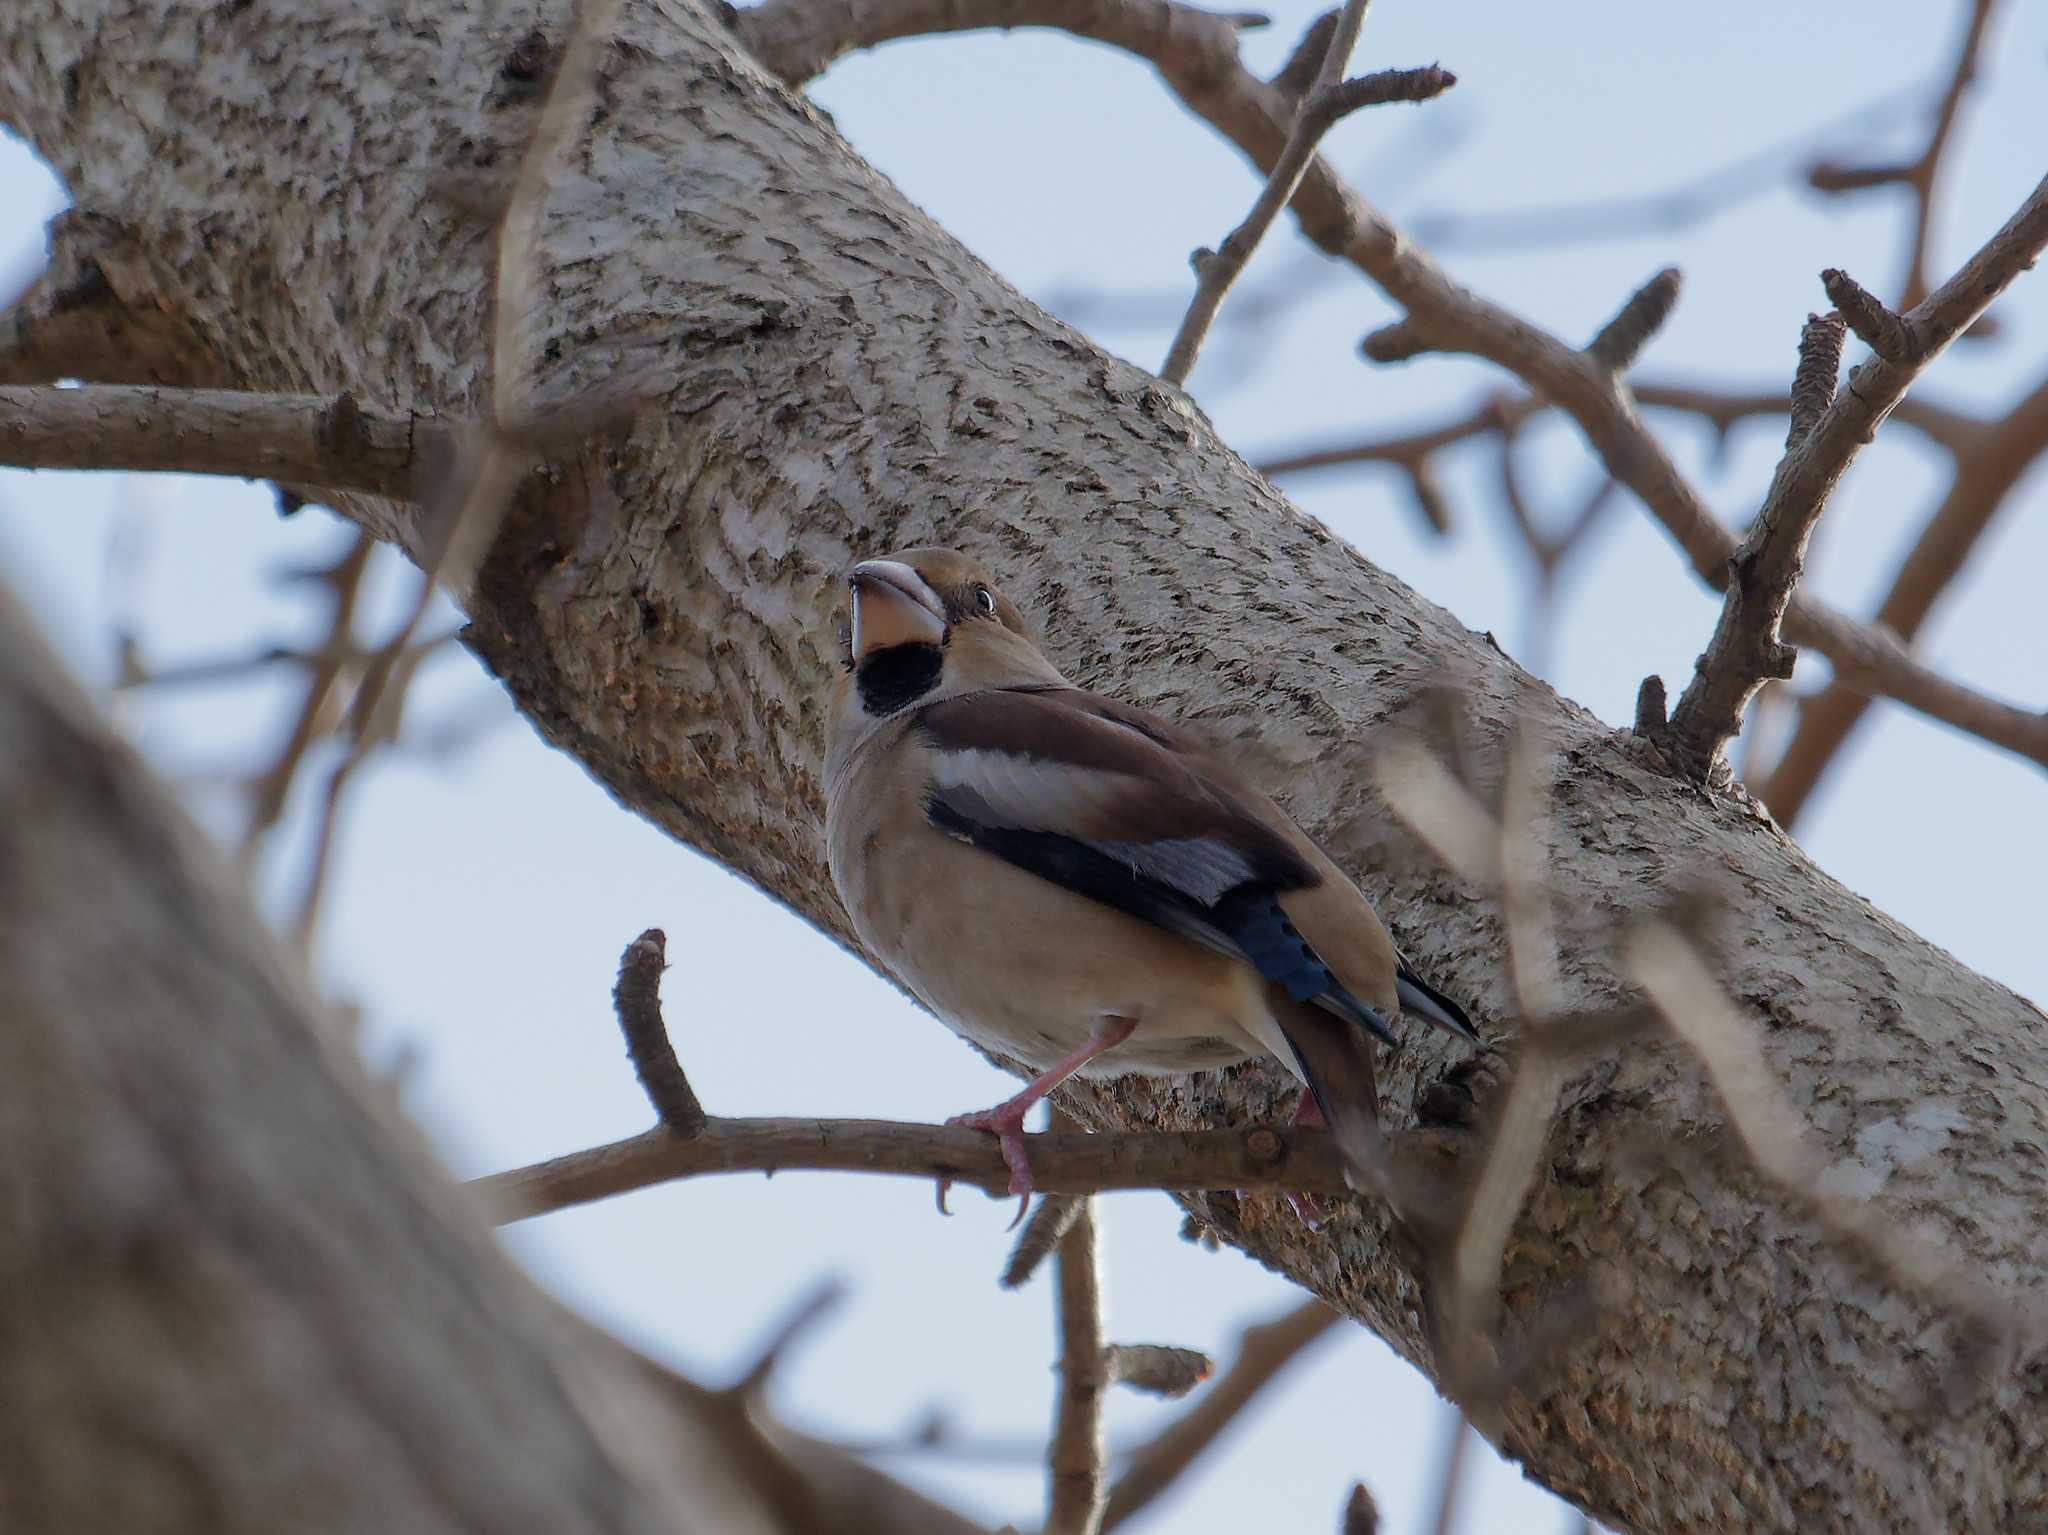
x=1081, y=885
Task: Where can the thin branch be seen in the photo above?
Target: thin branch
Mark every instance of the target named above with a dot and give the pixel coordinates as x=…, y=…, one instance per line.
x=1875, y=325
x=637, y=998
x=1671, y=207
x=1331, y=99
x=500, y=457
x=1723, y=409
x=1814, y=380
x=1622, y=337
x=1451, y=1476
x=1921, y=176
x=1157, y=1369
x=1470, y=1326
x=1264, y=1351
x=1216, y=270
x=1746, y=649
x=1990, y=463
x=218, y=669
x=1075, y=1457
x=1263, y=1158
x=301, y=439
x=1041, y=1234
x=270, y=789
x=824, y=1298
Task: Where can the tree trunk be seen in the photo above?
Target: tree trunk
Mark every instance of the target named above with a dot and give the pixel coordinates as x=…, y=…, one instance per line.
x=307, y=192
x=232, y=1298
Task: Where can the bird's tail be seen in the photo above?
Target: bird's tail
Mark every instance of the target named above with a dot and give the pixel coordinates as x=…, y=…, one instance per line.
x=1335, y=1057
x=1427, y=1003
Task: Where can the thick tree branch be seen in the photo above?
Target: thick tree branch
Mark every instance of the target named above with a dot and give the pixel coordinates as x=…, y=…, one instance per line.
x=299, y=439
x=237, y=1293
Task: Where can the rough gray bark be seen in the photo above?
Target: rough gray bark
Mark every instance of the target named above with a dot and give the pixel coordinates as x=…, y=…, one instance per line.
x=232, y=1297
x=306, y=191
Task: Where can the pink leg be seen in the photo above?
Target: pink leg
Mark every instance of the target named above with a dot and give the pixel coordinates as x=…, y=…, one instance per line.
x=1311, y=1210
x=1006, y=1120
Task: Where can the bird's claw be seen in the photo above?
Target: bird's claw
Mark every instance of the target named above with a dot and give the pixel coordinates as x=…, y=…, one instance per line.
x=1311, y=1211
x=1007, y=1126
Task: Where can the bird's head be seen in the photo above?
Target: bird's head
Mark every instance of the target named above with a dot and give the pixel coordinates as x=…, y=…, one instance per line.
x=919, y=597
x=930, y=622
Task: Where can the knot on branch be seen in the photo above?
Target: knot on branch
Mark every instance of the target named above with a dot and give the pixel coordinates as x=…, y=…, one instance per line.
x=528, y=62
x=1885, y=333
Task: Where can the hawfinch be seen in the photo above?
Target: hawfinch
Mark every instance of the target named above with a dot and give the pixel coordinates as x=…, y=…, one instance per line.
x=1078, y=885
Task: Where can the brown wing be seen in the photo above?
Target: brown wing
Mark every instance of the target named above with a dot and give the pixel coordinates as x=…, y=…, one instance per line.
x=1118, y=806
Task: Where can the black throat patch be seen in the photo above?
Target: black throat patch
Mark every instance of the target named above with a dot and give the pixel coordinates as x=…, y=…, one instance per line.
x=894, y=678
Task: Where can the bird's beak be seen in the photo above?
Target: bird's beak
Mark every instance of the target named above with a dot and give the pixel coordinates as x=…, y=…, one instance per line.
x=892, y=605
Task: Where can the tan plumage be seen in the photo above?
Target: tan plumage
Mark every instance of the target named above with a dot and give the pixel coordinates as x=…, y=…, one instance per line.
x=1076, y=883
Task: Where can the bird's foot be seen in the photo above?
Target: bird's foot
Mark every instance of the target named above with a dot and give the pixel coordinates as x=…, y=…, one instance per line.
x=1006, y=1123
x=1311, y=1211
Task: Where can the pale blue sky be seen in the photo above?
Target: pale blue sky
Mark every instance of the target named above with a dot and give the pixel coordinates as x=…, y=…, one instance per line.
x=482, y=898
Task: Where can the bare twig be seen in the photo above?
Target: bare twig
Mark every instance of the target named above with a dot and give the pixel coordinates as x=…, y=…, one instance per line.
x=824, y=1298
x=272, y=788
x=499, y=458
x=1265, y=1157
x=1265, y=1350
x=219, y=669
x=1814, y=380
x=1451, y=1478
x=1216, y=270
x=1158, y=1369
x=1398, y=342
x=637, y=997
x=1715, y=190
x=1745, y=648
x=1622, y=337
x=1075, y=1457
x=1950, y=429
x=1990, y=461
x=301, y=439
x=1331, y=98
x=1041, y=1234
x=1921, y=176
x=1878, y=328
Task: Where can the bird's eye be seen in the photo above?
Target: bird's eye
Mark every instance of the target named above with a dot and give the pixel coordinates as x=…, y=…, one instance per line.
x=985, y=600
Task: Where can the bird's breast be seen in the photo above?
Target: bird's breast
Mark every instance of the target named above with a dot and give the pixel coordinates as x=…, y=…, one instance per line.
x=1023, y=966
